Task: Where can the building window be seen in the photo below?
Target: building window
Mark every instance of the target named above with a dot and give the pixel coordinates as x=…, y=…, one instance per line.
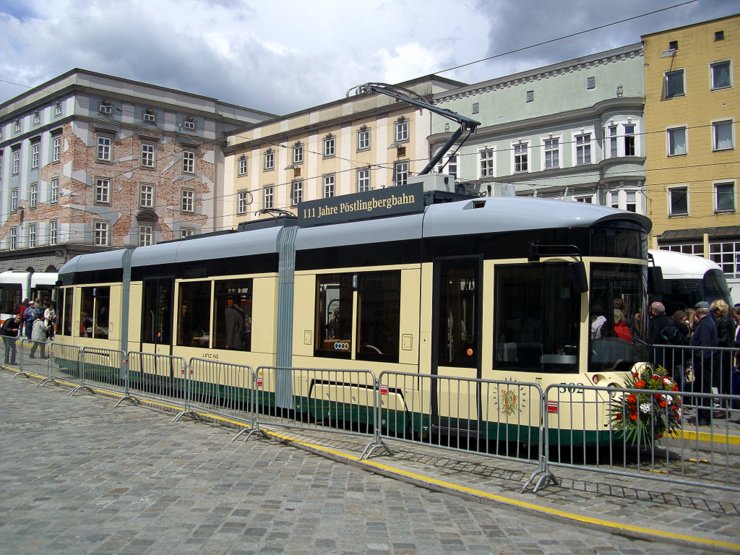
x=298, y=153
x=189, y=124
x=329, y=186
x=54, y=190
x=329, y=146
x=147, y=155
x=146, y=195
x=363, y=180
x=719, y=35
x=585, y=199
x=188, y=161
x=16, y=161
x=268, y=198
x=590, y=83
x=100, y=233
x=17, y=126
x=58, y=109
x=678, y=199
x=629, y=140
x=448, y=165
x=102, y=191
x=363, y=138
x=104, y=148
x=53, y=232
x=35, y=155
x=674, y=84
x=242, y=166
x=521, y=157
x=552, y=153
x=296, y=192
x=631, y=201
x=56, y=148
x=14, y=200
x=186, y=232
x=31, y=236
x=722, y=135
x=724, y=197
x=727, y=255
x=530, y=96
x=146, y=235
x=402, y=130
x=269, y=160
x=242, y=198
x=400, y=173
x=613, y=136
x=149, y=116
x=187, y=200
x=583, y=149
x=34, y=195
x=13, y=238
x=485, y=157
x=721, y=75
x=677, y=141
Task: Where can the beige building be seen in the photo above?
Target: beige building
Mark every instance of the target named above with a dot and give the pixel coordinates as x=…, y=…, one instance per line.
x=351, y=145
x=692, y=107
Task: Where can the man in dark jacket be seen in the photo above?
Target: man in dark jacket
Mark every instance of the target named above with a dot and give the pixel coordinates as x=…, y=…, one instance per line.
x=705, y=335
x=657, y=323
x=9, y=331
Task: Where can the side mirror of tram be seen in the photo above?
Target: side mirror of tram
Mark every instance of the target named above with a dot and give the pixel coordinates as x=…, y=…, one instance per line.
x=580, y=282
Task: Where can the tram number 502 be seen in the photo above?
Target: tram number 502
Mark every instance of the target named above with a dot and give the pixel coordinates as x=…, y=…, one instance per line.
x=572, y=388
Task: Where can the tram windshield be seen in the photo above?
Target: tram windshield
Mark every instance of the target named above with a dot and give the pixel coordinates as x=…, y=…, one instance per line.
x=617, y=305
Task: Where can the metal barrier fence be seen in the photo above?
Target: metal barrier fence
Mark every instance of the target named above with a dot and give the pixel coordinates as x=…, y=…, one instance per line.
x=103, y=368
x=219, y=387
x=157, y=376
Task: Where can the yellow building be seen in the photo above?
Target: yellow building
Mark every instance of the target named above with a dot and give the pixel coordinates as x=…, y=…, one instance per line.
x=692, y=106
x=347, y=146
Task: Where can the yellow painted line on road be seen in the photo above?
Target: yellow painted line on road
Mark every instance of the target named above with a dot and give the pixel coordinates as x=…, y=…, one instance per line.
x=717, y=437
x=505, y=500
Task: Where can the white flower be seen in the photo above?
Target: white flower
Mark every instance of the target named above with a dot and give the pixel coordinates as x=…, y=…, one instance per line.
x=667, y=381
x=668, y=398
x=645, y=408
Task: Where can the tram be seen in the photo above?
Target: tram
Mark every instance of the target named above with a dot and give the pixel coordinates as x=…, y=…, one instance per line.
x=17, y=286
x=404, y=279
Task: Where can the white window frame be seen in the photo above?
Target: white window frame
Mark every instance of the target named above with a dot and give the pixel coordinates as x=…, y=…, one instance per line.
x=188, y=161
x=329, y=183
x=33, y=195
x=16, y=168
x=13, y=238
x=187, y=201
x=733, y=196
x=551, y=154
x=53, y=232
x=242, y=198
x=32, y=236
x=330, y=146
x=296, y=192
x=298, y=153
x=670, y=203
x=14, y=193
x=54, y=190
x=726, y=125
x=102, y=190
x=269, y=160
x=268, y=197
x=712, y=75
x=241, y=166
x=671, y=145
x=35, y=155
x=146, y=195
x=400, y=173
x=583, y=151
x=100, y=233
x=146, y=235
x=56, y=148
x=363, y=180
x=105, y=148
x=486, y=162
x=147, y=155
x=58, y=109
x=401, y=131
x=520, y=156
x=186, y=232
x=449, y=165
x=363, y=138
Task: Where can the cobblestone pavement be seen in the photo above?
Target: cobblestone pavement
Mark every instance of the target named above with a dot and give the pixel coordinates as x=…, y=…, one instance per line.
x=78, y=475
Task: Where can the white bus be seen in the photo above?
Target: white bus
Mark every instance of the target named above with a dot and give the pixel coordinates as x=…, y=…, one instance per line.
x=18, y=286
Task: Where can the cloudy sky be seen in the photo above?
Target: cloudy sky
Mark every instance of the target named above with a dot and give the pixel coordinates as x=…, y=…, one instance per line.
x=280, y=56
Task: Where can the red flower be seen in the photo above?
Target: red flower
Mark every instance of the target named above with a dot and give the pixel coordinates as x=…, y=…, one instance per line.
x=631, y=398
x=675, y=387
x=633, y=416
x=618, y=416
x=661, y=403
x=640, y=384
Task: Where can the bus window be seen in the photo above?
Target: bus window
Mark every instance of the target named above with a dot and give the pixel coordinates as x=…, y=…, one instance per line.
x=233, y=317
x=194, y=319
x=378, y=315
x=536, y=318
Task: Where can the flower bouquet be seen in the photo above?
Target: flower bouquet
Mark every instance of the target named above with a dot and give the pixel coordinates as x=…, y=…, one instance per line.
x=642, y=418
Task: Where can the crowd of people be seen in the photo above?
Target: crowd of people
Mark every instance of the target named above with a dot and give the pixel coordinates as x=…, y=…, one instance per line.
x=35, y=320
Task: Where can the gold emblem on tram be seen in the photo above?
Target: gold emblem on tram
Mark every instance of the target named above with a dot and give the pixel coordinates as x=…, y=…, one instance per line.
x=509, y=402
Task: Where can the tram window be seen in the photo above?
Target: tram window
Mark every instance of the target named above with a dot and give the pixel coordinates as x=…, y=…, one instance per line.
x=66, y=316
x=536, y=318
x=94, y=312
x=616, y=292
x=334, y=315
x=157, y=314
x=626, y=243
x=233, y=317
x=194, y=319
x=458, y=313
x=10, y=298
x=378, y=315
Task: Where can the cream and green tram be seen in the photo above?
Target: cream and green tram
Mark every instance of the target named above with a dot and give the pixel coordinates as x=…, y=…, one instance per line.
x=487, y=289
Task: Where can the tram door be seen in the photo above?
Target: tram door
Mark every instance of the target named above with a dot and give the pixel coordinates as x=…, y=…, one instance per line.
x=456, y=350
x=156, y=317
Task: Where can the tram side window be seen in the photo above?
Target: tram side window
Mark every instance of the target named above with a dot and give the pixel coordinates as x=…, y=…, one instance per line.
x=378, y=315
x=94, y=312
x=536, y=321
x=10, y=298
x=157, y=314
x=233, y=317
x=334, y=315
x=458, y=313
x=194, y=321
x=65, y=316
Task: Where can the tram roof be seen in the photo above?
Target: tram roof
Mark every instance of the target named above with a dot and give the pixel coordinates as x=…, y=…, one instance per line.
x=474, y=216
x=105, y=260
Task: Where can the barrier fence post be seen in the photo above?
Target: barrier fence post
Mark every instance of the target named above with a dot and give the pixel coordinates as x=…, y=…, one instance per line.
x=543, y=475
x=187, y=373
x=377, y=442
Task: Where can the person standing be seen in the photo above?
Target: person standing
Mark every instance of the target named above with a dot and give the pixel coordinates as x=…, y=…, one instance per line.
x=658, y=321
x=30, y=316
x=234, y=316
x=705, y=335
x=9, y=332
x=38, y=336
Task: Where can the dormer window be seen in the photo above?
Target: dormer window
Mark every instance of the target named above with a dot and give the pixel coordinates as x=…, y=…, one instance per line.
x=105, y=108
x=150, y=116
x=189, y=123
